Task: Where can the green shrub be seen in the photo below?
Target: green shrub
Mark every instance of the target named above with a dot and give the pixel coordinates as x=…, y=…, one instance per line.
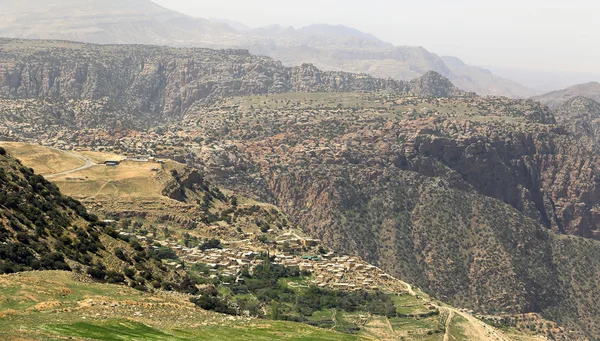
x=121, y=255
x=129, y=272
x=97, y=272
x=114, y=277
x=164, y=253
x=211, y=244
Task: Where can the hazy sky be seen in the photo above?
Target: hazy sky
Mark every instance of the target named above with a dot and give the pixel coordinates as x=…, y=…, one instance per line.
x=535, y=34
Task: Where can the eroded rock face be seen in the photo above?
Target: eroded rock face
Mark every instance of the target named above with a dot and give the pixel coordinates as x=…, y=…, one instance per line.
x=143, y=86
x=153, y=85
x=541, y=170
x=546, y=175
x=581, y=115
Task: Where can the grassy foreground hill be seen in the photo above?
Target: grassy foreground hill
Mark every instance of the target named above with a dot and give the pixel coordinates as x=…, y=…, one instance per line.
x=54, y=306
x=47, y=161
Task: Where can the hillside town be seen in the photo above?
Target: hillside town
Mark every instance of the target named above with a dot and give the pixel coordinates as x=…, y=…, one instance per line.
x=327, y=270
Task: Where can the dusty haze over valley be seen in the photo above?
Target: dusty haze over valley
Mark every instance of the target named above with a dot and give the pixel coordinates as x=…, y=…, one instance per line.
x=528, y=63
x=317, y=170
x=550, y=38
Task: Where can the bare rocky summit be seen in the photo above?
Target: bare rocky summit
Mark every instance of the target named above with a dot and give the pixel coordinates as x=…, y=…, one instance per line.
x=432, y=84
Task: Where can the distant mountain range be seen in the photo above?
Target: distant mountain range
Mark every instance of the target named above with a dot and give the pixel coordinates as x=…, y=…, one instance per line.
x=556, y=98
x=335, y=48
x=543, y=80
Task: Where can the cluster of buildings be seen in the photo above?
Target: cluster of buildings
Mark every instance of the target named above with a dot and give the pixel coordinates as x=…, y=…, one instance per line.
x=220, y=262
x=328, y=270
x=133, y=158
x=344, y=272
x=166, y=144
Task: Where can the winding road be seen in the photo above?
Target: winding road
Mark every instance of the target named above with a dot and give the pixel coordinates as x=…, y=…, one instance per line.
x=88, y=164
x=491, y=332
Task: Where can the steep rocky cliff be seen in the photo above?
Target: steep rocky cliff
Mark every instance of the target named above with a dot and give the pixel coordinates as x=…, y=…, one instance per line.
x=183, y=186
x=141, y=86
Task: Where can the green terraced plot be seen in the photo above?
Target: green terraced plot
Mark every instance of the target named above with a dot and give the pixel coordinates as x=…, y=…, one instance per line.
x=132, y=331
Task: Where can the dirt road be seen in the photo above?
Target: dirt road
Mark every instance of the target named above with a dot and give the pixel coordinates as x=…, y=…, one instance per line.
x=88, y=164
x=447, y=325
x=476, y=329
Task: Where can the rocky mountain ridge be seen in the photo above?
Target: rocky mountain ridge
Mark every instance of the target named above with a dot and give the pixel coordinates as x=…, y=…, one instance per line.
x=555, y=98
x=331, y=48
x=142, y=86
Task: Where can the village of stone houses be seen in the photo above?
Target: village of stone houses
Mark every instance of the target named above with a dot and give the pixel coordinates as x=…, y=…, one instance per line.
x=329, y=270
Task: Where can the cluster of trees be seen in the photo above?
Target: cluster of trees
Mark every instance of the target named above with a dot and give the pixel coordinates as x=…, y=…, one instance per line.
x=38, y=233
x=286, y=303
x=144, y=269
x=15, y=257
x=212, y=243
x=210, y=300
x=210, y=195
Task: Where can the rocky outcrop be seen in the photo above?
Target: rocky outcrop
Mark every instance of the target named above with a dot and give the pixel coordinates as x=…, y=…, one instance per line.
x=581, y=115
x=307, y=78
x=182, y=185
x=432, y=84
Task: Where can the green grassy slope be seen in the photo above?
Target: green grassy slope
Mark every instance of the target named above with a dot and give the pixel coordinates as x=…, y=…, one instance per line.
x=52, y=305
